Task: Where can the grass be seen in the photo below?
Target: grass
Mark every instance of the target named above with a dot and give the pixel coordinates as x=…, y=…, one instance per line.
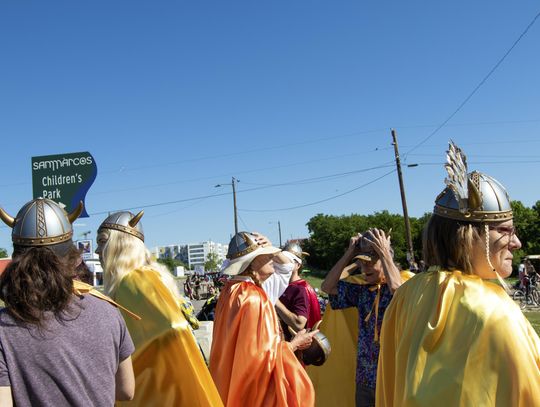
x=315, y=281
x=534, y=319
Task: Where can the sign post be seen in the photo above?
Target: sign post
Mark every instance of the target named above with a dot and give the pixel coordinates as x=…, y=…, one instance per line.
x=64, y=178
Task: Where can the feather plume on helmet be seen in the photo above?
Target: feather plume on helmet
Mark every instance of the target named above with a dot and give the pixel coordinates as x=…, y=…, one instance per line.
x=473, y=197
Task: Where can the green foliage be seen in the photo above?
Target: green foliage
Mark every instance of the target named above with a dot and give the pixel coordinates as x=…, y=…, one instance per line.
x=213, y=262
x=329, y=235
x=3, y=253
x=527, y=223
x=171, y=263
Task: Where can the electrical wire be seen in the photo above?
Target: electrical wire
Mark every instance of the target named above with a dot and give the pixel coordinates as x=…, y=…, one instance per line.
x=322, y=200
x=464, y=102
x=289, y=183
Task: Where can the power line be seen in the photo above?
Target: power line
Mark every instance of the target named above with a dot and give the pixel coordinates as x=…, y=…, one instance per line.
x=238, y=172
x=477, y=86
x=289, y=183
x=484, y=162
x=376, y=149
x=322, y=200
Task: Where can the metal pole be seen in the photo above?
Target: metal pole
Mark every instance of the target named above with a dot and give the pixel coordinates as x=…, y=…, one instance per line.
x=234, y=204
x=279, y=228
x=410, y=251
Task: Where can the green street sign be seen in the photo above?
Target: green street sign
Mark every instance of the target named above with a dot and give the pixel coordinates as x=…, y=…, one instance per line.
x=64, y=178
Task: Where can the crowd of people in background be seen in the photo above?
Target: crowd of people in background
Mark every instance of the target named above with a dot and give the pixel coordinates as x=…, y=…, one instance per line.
x=447, y=335
x=202, y=286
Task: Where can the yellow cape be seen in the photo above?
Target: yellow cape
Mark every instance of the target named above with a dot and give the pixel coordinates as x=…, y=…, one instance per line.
x=169, y=367
x=452, y=339
x=335, y=381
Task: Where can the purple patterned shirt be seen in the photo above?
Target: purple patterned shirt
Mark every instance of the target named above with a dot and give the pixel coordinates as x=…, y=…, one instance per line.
x=362, y=297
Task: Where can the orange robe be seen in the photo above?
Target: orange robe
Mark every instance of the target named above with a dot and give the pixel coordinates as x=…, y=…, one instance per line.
x=250, y=364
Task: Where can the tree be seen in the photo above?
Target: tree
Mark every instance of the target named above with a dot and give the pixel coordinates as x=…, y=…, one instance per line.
x=171, y=263
x=527, y=223
x=329, y=235
x=213, y=262
x=3, y=253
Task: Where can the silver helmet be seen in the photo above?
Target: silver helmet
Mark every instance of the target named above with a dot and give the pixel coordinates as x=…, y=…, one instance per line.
x=472, y=197
x=41, y=222
x=243, y=249
x=241, y=244
x=296, y=249
x=126, y=222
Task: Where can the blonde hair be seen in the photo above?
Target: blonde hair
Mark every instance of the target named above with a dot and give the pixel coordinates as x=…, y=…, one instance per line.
x=124, y=253
x=449, y=244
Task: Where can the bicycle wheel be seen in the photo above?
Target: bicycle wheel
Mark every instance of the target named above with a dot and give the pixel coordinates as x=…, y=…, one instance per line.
x=535, y=297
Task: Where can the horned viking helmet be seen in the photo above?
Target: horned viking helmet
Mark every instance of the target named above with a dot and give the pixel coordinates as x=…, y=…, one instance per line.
x=126, y=222
x=41, y=222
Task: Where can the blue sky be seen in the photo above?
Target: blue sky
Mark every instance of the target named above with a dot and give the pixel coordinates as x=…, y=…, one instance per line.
x=296, y=99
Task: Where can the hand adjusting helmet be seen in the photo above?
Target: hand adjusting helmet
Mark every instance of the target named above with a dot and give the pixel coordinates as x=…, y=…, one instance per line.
x=243, y=248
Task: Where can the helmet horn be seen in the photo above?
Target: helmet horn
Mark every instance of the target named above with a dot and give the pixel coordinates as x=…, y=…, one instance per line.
x=133, y=222
x=76, y=212
x=8, y=220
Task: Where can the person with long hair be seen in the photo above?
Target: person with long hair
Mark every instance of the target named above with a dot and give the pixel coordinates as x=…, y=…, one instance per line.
x=451, y=336
x=58, y=347
x=250, y=363
x=169, y=367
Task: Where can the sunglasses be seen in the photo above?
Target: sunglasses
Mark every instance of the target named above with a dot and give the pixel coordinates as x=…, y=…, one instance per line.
x=504, y=230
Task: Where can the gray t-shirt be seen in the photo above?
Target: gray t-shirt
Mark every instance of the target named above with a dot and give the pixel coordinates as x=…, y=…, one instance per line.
x=70, y=362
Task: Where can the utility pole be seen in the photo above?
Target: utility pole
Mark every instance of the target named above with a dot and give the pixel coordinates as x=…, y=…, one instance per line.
x=410, y=252
x=279, y=230
x=233, y=183
x=234, y=204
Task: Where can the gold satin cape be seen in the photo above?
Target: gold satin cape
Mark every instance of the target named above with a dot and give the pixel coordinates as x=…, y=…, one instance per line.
x=335, y=381
x=169, y=368
x=453, y=339
x=249, y=362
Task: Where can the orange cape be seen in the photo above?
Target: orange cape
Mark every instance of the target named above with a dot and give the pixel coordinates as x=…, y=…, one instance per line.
x=249, y=362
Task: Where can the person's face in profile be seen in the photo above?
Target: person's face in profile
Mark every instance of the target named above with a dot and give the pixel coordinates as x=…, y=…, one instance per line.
x=263, y=266
x=102, y=239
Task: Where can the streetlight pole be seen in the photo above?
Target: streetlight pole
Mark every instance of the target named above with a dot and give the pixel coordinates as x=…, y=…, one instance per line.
x=410, y=252
x=233, y=183
x=279, y=230
x=234, y=205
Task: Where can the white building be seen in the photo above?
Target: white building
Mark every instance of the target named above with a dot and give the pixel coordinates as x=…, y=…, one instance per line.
x=193, y=254
x=198, y=252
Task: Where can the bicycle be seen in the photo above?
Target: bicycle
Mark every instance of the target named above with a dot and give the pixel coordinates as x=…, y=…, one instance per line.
x=530, y=298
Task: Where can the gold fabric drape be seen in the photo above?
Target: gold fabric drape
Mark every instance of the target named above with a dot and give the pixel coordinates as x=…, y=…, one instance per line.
x=453, y=339
x=335, y=381
x=168, y=364
x=249, y=362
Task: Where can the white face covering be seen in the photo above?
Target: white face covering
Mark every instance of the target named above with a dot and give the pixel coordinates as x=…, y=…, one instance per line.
x=277, y=283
